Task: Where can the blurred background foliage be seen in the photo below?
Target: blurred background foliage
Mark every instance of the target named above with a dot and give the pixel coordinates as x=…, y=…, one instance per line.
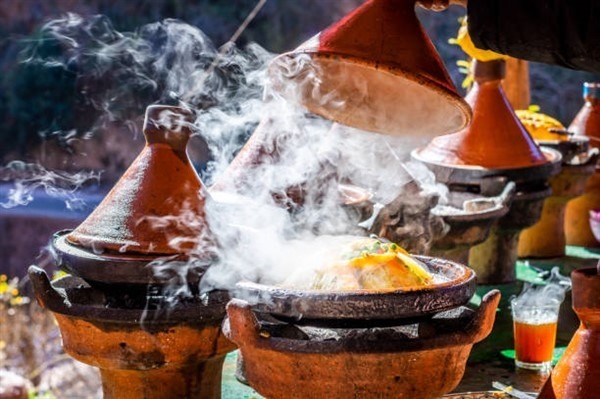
x=38, y=100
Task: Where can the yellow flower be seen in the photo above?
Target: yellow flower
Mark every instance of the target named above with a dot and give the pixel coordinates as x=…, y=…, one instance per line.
x=466, y=44
x=17, y=300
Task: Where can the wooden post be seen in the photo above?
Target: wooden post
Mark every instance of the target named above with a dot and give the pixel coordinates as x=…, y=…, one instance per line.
x=516, y=83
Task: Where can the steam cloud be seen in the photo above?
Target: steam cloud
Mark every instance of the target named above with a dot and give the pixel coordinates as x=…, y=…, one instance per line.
x=29, y=177
x=275, y=215
x=552, y=291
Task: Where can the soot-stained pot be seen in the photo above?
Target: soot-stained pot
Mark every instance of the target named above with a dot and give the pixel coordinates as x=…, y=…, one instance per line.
x=476, y=215
x=374, y=70
x=146, y=352
x=361, y=364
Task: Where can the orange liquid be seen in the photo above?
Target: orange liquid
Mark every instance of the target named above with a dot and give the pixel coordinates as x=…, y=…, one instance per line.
x=534, y=343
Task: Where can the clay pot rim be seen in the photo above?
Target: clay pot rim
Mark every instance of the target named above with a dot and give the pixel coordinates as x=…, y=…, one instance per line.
x=492, y=213
x=552, y=157
x=518, y=174
x=54, y=296
x=466, y=274
x=246, y=332
x=61, y=239
x=447, y=342
x=365, y=304
x=587, y=272
x=501, y=208
x=131, y=268
x=394, y=70
x=574, y=146
x=573, y=139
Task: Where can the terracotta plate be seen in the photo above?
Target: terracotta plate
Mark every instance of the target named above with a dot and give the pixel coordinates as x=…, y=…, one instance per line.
x=301, y=305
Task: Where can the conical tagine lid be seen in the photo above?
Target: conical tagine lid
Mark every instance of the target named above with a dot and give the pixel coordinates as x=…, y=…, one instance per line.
x=496, y=139
x=374, y=70
x=587, y=120
x=157, y=207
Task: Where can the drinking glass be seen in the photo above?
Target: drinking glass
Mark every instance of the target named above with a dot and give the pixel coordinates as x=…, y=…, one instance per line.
x=534, y=329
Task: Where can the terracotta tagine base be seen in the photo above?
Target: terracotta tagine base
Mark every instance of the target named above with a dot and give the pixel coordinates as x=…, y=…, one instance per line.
x=546, y=238
x=587, y=124
x=495, y=259
x=472, y=226
x=577, y=374
x=280, y=359
x=170, y=353
x=577, y=215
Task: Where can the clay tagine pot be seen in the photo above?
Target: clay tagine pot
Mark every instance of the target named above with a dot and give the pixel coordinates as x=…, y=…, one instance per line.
x=495, y=139
x=261, y=157
x=142, y=352
x=374, y=70
x=577, y=374
x=546, y=238
x=586, y=123
x=495, y=145
x=470, y=217
x=261, y=148
x=587, y=120
x=160, y=183
x=131, y=305
x=455, y=286
x=279, y=359
x=155, y=210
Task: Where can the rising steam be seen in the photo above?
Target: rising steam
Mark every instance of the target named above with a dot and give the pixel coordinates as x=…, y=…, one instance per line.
x=28, y=178
x=274, y=215
x=552, y=291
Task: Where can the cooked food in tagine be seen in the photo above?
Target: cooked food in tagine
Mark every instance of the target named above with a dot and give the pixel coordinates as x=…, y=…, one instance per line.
x=542, y=127
x=367, y=264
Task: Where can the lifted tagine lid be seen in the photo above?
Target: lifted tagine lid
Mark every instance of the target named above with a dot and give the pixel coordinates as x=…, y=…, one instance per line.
x=376, y=70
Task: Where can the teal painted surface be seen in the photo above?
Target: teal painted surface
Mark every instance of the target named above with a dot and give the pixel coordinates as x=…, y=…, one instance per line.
x=582, y=252
x=231, y=388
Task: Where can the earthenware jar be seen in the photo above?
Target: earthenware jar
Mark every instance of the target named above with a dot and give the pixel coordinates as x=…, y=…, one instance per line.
x=586, y=122
x=577, y=374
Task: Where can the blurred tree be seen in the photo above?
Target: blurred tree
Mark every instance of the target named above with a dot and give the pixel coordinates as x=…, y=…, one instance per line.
x=41, y=100
x=37, y=100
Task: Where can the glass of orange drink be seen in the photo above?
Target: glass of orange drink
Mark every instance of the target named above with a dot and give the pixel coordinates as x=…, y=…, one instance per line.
x=534, y=329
